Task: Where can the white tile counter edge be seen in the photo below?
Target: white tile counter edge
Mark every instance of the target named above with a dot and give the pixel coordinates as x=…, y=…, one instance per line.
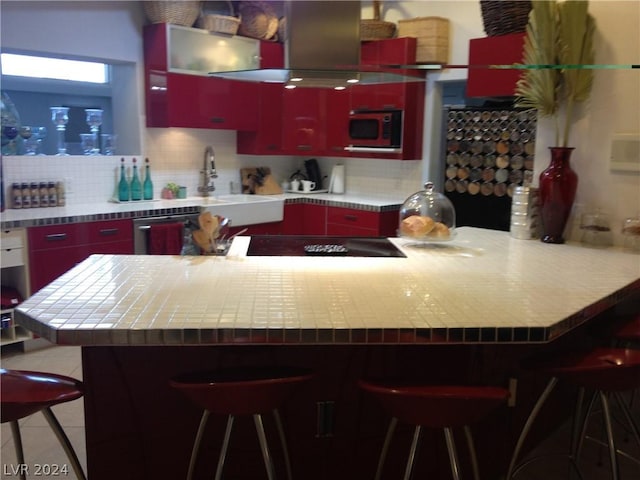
x=483, y=281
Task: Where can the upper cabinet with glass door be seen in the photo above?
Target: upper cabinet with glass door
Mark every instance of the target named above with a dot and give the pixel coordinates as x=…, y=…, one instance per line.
x=178, y=89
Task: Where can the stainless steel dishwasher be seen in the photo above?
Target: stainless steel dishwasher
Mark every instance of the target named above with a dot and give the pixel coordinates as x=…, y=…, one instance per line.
x=142, y=227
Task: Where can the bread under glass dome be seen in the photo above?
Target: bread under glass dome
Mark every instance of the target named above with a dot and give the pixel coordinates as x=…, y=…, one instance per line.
x=427, y=216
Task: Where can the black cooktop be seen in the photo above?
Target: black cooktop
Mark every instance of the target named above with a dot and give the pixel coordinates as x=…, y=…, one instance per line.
x=294, y=246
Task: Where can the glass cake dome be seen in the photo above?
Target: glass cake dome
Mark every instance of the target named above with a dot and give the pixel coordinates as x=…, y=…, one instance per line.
x=427, y=216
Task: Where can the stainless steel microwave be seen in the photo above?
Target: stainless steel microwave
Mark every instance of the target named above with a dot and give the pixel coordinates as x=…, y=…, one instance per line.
x=377, y=131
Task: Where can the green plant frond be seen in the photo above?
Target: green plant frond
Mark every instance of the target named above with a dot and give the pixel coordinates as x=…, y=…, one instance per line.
x=538, y=86
x=575, y=47
x=559, y=33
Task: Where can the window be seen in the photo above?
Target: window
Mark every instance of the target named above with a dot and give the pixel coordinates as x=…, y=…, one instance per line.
x=54, y=68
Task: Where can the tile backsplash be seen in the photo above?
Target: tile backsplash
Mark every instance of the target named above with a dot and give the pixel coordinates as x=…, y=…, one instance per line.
x=176, y=155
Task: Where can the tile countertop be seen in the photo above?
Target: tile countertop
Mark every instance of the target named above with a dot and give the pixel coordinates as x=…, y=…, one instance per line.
x=15, y=218
x=484, y=286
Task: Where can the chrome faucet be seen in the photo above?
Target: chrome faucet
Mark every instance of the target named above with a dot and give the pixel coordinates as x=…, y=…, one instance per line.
x=208, y=172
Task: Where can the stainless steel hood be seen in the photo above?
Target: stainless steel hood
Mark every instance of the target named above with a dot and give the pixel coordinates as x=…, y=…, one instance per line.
x=321, y=48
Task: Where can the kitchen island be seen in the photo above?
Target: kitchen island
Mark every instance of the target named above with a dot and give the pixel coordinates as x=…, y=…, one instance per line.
x=462, y=311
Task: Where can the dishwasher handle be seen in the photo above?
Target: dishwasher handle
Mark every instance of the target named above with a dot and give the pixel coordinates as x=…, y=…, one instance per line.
x=147, y=226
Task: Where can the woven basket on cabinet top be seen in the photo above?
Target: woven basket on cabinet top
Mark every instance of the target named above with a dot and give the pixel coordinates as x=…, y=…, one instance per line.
x=182, y=13
x=258, y=20
x=215, y=22
x=376, y=29
x=501, y=17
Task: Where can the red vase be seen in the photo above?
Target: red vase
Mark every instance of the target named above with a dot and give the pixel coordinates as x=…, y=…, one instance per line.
x=558, y=184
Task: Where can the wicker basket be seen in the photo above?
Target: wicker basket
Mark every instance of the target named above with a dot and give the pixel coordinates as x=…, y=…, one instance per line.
x=376, y=29
x=215, y=22
x=182, y=13
x=432, y=34
x=501, y=17
x=258, y=20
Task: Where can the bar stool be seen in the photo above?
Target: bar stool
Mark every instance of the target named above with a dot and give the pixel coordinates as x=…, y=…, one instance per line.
x=629, y=333
x=241, y=391
x=25, y=393
x=606, y=371
x=443, y=407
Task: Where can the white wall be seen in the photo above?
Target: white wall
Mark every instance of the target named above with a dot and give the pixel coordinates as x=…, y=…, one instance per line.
x=115, y=33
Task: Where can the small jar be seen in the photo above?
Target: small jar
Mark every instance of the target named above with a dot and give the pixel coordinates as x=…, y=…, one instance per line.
x=35, y=195
x=16, y=195
x=53, y=194
x=61, y=193
x=44, y=194
x=26, y=195
x=596, y=230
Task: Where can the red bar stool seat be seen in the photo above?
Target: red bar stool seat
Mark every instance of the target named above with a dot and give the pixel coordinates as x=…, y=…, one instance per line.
x=628, y=332
x=606, y=371
x=25, y=393
x=442, y=407
x=238, y=392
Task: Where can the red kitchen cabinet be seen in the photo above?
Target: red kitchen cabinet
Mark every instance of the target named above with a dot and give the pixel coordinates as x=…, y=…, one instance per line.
x=272, y=228
x=304, y=219
x=193, y=101
x=267, y=137
x=396, y=51
x=484, y=81
x=312, y=219
x=292, y=221
x=353, y=222
x=178, y=89
x=304, y=117
x=54, y=249
x=337, y=124
x=406, y=96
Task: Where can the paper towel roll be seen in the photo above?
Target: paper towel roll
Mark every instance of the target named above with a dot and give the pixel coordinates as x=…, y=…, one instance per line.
x=336, y=184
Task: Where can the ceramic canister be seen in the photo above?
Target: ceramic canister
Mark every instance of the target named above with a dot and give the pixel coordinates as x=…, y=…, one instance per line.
x=336, y=183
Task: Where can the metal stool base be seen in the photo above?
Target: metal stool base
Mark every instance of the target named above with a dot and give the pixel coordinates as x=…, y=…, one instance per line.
x=264, y=448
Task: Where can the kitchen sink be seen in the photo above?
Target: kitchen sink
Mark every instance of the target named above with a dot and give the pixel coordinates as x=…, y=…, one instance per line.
x=245, y=209
x=200, y=200
x=245, y=198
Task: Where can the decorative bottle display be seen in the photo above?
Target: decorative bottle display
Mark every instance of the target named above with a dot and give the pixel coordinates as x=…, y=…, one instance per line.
x=147, y=187
x=123, y=185
x=136, y=185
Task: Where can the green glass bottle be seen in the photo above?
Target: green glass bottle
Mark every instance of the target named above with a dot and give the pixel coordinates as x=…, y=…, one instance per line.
x=136, y=185
x=123, y=185
x=147, y=187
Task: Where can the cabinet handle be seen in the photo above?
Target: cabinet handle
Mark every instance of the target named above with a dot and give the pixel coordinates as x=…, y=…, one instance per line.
x=217, y=120
x=55, y=237
x=108, y=231
x=351, y=218
x=304, y=147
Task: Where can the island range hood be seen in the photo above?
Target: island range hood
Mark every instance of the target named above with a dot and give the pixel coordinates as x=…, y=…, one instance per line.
x=321, y=48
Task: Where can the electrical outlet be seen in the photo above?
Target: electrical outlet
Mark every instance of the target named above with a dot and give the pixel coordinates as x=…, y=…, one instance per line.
x=68, y=186
x=625, y=153
x=513, y=387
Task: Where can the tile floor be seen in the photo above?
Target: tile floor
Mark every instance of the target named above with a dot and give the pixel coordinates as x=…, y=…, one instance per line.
x=41, y=446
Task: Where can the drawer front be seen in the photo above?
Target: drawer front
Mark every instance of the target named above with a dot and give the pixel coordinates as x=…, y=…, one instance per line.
x=354, y=218
x=12, y=239
x=11, y=257
x=56, y=236
x=110, y=231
